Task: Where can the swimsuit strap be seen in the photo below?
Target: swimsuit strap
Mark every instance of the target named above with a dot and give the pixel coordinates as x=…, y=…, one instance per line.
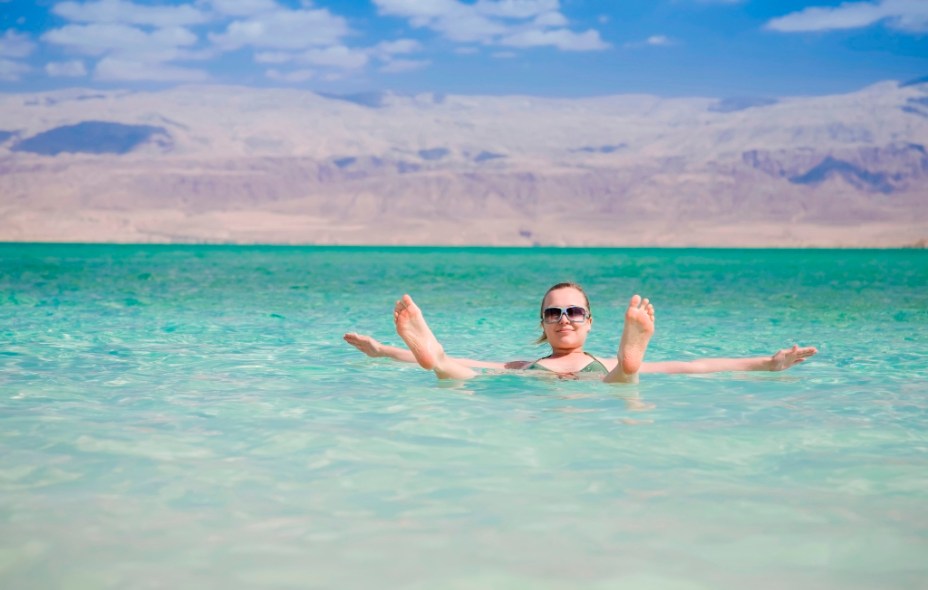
x=596, y=361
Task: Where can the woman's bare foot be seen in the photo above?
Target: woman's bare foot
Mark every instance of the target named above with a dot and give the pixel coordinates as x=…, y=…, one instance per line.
x=788, y=357
x=639, y=327
x=415, y=332
x=637, y=332
x=364, y=343
x=411, y=326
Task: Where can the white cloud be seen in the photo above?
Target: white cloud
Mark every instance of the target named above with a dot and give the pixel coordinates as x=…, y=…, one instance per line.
x=293, y=76
x=658, y=40
x=311, y=36
x=550, y=19
x=13, y=44
x=134, y=41
x=67, y=69
x=174, y=36
x=421, y=11
x=904, y=15
x=128, y=53
x=274, y=57
x=333, y=76
x=120, y=11
x=516, y=23
x=113, y=68
x=652, y=41
x=519, y=9
x=342, y=57
x=147, y=39
x=456, y=21
x=467, y=26
x=560, y=38
x=99, y=39
x=397, y=66
x=11, y=71
x=398, y=46
x=336, y=56
x=140, y=42
x=284, y=29
x=242, y=7
x=387, y=51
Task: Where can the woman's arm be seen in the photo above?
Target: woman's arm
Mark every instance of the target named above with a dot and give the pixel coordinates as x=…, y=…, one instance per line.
x=376, y=349
x=779, y=361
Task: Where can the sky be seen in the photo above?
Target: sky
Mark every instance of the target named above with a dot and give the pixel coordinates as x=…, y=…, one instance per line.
x=571, y=48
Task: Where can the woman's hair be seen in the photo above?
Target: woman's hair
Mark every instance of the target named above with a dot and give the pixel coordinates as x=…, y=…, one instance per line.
x=567, y=285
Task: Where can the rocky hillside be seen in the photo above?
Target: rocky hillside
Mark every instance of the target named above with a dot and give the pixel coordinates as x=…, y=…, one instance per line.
x=244, y=165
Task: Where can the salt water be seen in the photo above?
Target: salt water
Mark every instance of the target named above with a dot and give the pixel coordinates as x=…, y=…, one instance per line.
x=189, y=417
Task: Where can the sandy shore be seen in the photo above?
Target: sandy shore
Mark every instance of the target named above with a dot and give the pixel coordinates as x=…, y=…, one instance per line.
x=264, y=227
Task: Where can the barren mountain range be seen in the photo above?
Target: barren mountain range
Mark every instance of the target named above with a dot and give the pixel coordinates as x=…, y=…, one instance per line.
x=243, y=165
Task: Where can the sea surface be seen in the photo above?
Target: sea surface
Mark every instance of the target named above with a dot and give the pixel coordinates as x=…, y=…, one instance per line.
x=190, y=417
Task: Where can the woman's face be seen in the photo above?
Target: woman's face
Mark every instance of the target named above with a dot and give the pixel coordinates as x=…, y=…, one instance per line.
x=564, y=333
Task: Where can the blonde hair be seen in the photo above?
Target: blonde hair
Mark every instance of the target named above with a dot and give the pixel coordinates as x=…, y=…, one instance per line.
x=568, y=285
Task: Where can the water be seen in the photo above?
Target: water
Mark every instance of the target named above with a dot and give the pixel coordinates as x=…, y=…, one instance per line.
x=189, y=417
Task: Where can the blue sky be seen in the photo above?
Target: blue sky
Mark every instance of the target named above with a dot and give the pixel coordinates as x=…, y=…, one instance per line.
x=719, y=48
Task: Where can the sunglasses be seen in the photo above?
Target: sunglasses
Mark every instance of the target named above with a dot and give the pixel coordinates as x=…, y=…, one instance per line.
x=575, y=314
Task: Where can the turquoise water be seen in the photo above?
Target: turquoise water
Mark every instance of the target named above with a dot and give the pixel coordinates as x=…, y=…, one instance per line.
x=189, y=417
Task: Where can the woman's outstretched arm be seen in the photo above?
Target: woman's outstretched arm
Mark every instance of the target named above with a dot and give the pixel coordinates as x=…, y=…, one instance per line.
x=779, y=361
x=376, y=349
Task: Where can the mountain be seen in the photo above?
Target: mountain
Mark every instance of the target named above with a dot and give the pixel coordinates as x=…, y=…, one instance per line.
x=221, y=164
x=91, y=137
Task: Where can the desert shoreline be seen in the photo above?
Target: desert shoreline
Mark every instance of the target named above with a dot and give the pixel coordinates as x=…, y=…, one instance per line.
x=175, y=228
x=916, y=246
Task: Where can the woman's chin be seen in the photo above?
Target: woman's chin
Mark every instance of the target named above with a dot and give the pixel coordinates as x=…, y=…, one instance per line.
x=568, y=339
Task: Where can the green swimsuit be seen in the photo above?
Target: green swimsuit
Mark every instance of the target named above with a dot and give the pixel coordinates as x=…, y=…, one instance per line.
x=594, y=367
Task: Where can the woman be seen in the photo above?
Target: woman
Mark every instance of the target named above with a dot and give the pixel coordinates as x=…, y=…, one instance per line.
x=565, y=321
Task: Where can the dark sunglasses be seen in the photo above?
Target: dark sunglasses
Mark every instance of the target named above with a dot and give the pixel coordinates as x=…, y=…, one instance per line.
x=575, y=314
